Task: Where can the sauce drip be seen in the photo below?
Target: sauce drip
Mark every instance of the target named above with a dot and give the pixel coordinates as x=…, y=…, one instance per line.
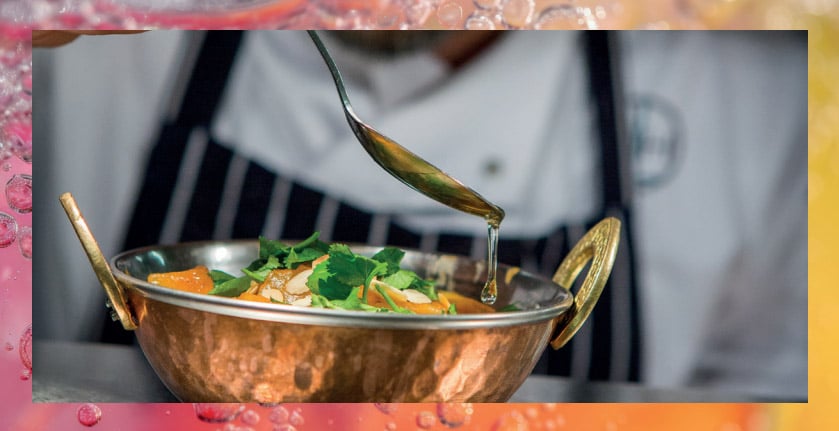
x=490, y=291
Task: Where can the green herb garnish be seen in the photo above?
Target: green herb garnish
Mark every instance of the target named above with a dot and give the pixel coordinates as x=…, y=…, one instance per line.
x=260, y=273
x=232, y=287
x=390, y=302
x=220, y=277
x=452, y=310
x=343, y=271
x=272, y=255
x=391, y=256
x=405, y=279
x=307, y=250
x=334, y=283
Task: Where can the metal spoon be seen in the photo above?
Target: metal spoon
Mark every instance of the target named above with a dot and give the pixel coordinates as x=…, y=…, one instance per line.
x=407, y=166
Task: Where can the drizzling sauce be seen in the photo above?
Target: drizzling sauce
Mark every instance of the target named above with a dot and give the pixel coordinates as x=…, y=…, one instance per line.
x=490, y=291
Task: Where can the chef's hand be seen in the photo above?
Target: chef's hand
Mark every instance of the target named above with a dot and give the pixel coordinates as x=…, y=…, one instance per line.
x=53, y=38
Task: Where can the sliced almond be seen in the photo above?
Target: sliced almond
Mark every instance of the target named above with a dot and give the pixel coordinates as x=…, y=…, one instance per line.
x=416, y=297
x=297, y=284
x=253, y=288
x=273, y=294
x=305, y=301
x=392, y=291
x=445, y=301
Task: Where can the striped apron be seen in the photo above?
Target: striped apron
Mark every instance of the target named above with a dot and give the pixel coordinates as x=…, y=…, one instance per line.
x=198, y=189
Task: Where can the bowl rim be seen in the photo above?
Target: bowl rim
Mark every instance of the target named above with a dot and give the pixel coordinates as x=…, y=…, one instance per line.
x=327, y=317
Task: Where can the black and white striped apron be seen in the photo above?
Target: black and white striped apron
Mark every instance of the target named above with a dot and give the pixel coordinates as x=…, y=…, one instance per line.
x=198, y=189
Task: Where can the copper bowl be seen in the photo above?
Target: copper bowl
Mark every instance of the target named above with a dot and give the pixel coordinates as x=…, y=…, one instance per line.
x=214, y=349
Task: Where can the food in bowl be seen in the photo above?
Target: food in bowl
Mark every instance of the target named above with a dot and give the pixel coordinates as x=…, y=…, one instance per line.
x=313, y=273
x=207, y=348
x=210, y=348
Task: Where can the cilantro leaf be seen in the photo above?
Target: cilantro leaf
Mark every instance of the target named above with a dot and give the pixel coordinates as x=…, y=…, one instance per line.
x=353, y=302
x=255, y=265
x=401, y=279
x=262, y=271
x=307, y=250
x=390, y=302
x=391, y=256
x=319, y=301
x=232, y=287
x=426, y=287
x=220, y=277
x=351, y=269
x=324, y=282
x=312, y=242
x=271, y=247
x=344, y=270
x=405, y=279
x=350, y=302
x=305, y=255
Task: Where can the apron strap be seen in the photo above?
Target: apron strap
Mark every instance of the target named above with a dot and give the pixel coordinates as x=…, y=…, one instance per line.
x=208, y=78
x=619, y=309
x=201, y=89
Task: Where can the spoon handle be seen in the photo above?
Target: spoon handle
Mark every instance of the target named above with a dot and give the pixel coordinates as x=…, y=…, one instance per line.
x=333, y=69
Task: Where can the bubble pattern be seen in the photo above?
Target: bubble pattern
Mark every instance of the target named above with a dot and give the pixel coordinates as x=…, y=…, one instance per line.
x=24, y=241
x=217, y=412
x=279, y=415
x=26, y=347
x=15, y=211
x=378, y=15
x=19, y=193
x=15, y=134
x=426, y=419
x=250, y=417
x=387, y=408
x=89, y=414
x=454, y=415
x=8, y=230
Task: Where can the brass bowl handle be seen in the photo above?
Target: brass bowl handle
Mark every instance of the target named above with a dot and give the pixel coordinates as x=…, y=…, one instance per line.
x=116, y=297
x=599, y=245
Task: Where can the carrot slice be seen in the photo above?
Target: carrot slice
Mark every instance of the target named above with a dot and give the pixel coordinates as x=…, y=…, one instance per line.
x=251, y=297
x=465, y=305
x=195, y=280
